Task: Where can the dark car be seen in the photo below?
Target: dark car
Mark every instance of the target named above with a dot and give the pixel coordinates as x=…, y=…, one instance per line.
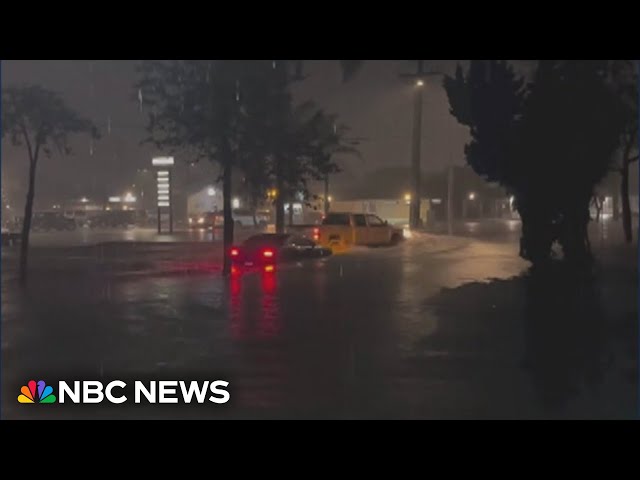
x=268, y=249
x=51, y=221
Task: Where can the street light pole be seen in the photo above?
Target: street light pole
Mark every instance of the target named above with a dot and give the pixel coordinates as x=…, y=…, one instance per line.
x=416, y=187
x=416, y=194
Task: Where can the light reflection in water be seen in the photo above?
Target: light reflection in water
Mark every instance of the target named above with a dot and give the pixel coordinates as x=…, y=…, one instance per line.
x=236, y=308
x=254, y=314
x=270, y=324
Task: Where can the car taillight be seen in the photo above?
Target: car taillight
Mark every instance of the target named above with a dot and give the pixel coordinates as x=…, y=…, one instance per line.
x=235, y=252
x=316, y=234
x=267, y=253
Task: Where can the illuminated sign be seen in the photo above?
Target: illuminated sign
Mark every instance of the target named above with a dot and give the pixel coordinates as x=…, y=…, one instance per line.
x=162, y=161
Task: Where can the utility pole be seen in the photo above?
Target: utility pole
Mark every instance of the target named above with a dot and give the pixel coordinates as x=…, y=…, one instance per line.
x=416, y=174
x=416, y=191
x=450, y=200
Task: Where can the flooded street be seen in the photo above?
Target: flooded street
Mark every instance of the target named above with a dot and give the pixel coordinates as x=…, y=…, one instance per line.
x=437, y=327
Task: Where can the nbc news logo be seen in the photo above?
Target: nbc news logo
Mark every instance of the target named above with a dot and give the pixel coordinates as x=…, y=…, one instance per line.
x=93, y=391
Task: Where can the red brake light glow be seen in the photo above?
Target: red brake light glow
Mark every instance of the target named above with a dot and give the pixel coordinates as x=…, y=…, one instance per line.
x=235, y=252
x=267, y=253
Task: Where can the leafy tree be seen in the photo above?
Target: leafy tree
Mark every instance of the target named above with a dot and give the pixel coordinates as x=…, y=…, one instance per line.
x=202, y=105
x=330, y=140
x=550, y=143
x=38, y=118
x=490, y=101
x=570, y=131
x=625, y=78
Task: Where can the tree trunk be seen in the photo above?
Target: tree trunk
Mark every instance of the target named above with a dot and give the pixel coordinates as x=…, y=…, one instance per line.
x=228, y=217
x=616, y=203
x=291, y=212
x=26, y=223
x=326, y=194
x=574, y=235
x=538, y=232
x=624, y=192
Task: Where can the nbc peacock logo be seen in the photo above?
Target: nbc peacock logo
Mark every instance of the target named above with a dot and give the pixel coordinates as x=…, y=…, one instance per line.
x=42, y=394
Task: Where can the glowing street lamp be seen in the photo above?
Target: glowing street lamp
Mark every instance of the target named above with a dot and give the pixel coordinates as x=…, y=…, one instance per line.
x=472, y=196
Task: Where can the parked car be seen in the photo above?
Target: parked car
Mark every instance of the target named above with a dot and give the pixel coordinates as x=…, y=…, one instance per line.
x=51, y=221
x=10, y=238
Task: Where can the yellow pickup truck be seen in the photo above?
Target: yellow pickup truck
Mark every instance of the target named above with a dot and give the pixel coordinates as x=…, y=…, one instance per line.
x=341, y=230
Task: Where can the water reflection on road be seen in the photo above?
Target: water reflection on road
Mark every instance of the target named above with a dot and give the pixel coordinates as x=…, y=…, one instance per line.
x=369, y=333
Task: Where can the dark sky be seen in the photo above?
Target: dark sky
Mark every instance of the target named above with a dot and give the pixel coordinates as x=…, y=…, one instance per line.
x=376, y=104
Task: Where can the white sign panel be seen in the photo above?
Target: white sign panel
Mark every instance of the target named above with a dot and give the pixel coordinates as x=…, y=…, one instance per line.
x=162, y=161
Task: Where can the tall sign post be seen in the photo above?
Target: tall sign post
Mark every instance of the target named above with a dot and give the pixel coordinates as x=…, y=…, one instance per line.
x=164, y=167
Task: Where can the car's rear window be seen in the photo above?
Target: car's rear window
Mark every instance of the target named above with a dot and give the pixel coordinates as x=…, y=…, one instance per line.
x=336, y=219
x=258, y=240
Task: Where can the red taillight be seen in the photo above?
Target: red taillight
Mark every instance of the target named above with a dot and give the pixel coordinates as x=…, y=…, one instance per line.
x=235, y=252
x=269, y=268
x=267, y=253
x=316, y=234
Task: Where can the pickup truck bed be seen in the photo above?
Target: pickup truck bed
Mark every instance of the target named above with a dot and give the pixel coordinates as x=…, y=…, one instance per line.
x=344, y=230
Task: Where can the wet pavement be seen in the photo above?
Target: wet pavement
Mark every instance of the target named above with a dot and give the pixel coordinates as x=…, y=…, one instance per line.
x=437, y=327
x=87, y=236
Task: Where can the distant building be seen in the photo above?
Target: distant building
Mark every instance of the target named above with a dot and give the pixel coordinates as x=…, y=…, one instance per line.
x=207, y=199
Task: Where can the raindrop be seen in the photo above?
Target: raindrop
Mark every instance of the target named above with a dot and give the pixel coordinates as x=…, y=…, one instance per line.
x=91, y=147
x=140, y=98
x=237, y=91
x=273, y=64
